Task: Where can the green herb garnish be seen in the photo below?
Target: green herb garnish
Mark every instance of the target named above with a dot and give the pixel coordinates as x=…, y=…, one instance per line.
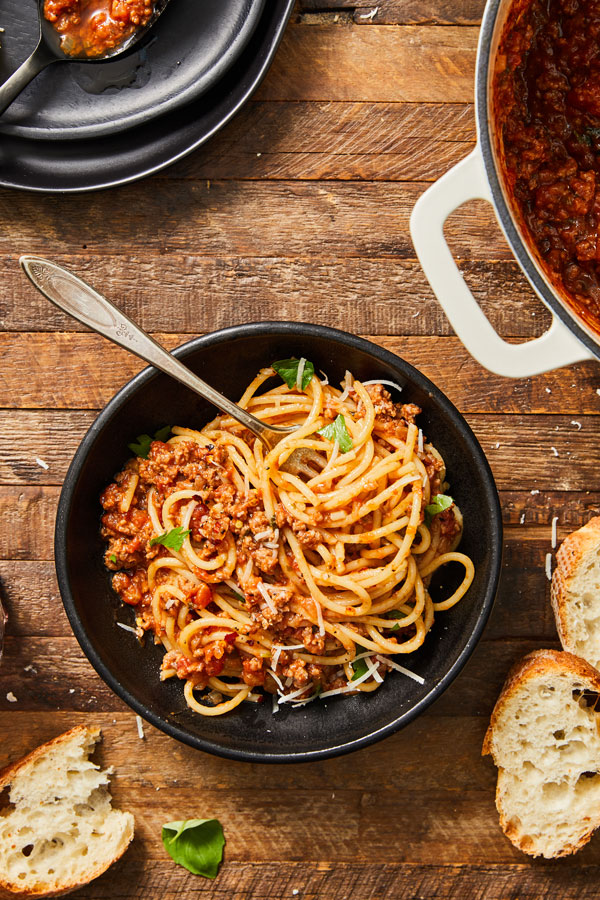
x=141, y=445
x=439, y=503
x=338, y=431
x=393, y=614
x=288, y=369
x=195, y=844
x=172, y=539
x=113, y=558
x=360, y=668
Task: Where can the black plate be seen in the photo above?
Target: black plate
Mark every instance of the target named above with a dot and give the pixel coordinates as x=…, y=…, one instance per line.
x=252, y=732
x=70, y=166
x=191, y=46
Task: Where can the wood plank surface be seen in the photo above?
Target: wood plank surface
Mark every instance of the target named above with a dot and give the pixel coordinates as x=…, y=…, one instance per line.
x=298, y=210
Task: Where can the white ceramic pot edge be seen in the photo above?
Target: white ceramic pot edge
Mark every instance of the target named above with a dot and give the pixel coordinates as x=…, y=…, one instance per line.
x=557, y=347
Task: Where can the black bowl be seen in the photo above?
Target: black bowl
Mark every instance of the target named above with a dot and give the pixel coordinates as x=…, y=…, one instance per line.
x=228, y=360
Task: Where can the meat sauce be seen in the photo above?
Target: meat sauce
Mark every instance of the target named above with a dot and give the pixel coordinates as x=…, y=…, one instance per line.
x=93, y=27
x=547, y=105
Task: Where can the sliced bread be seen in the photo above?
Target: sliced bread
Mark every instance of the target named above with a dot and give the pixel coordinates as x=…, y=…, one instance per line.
x=575, y=592
x=544, y=738
x=58, y=829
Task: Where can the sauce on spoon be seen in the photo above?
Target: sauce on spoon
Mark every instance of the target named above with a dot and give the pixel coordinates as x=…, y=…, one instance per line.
x=93, y=27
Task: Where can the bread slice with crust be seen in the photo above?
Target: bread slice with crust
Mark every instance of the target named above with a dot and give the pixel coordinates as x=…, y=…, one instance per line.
x=58, y=830
x=544, y=738
x=575, y=592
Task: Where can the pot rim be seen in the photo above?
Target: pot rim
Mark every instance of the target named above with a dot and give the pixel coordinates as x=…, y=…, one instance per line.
x=517, y=243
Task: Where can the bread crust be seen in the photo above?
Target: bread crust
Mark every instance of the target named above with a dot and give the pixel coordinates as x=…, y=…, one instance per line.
x=537, y=663
x=93, y=735
x=540, y=663
x=569, y=557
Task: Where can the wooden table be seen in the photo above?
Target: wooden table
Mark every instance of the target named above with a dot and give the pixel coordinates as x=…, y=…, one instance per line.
x=298, y=210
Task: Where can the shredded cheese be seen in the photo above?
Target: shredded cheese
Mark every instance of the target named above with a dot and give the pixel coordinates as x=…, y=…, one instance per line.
x=399, y=668
x=140, y=727
x=554, y=535
x=300, y=373
x=44, y=465
x=549, y=566
x=420, y=441
x=127, y=627
x=268, y=600
x=382, y=381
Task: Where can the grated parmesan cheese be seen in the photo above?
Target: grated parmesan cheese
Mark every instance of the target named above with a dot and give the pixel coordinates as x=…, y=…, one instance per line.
x=554, y=450
x=554, y=540
x=268, y=600
x=549, y=566
x=399, y=668
x=300, y=373
x=140, y=728
x=420, y=441
x=42, y=463
x=324, y=380
x=575, y=422
x=382, y=381
x=370, y=15
x=127, y=627
x=11, y=697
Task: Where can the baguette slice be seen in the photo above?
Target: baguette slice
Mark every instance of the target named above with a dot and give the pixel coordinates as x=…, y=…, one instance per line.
x=544, y=738
x=575, y=592
x=58, y=830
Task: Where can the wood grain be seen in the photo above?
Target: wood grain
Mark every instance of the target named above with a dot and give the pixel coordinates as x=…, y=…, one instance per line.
x=416, y=63
x=394, y=12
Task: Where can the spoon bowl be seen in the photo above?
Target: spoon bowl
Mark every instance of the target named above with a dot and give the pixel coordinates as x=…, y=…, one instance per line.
x=49, y=50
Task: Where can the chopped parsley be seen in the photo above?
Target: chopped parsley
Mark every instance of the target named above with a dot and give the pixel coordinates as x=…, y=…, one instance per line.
x=288, y=369
x=338, y=431
x=439, y=504
x=172, y=539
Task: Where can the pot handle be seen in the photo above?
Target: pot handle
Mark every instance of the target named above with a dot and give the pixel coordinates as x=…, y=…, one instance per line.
x=557, y=347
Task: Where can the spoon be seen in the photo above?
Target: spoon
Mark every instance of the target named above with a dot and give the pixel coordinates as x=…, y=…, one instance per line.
x=49, y=51
x=83, y=303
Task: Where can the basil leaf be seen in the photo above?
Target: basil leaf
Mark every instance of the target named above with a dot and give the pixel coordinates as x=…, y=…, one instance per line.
x=439, y=503
x=288, y=369
x=337, y=431
x=393, y=614
x=163, y=433
x=113, y=558
x=172, y=539
x=360, y=668
x=195, y=844
x=141, y=445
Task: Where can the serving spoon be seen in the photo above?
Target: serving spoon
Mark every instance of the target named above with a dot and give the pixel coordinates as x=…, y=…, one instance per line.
x=82, y=302
x=48, y=51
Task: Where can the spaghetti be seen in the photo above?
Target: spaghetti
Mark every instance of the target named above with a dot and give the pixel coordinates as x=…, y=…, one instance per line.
x=254, y=578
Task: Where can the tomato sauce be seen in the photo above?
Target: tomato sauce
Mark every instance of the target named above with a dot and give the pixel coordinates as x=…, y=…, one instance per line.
x=547, y=106
x=93, y=27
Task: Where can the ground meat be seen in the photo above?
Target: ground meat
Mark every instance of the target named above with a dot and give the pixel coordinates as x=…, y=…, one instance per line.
x=132, y=589
x=253, y=672
x=297, y=671
x=390, y=418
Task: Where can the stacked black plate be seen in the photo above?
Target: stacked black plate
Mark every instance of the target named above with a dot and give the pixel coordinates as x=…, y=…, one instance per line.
x=86, y=126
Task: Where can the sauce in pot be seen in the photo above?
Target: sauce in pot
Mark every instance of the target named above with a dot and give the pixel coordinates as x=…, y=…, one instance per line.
x=547, y=106
x=93, y=27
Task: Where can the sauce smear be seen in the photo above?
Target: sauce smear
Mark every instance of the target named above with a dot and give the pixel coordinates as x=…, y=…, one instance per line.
x=93, y=27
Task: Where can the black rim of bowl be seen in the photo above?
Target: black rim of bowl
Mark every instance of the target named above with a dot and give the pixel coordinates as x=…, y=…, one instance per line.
x=261, y=329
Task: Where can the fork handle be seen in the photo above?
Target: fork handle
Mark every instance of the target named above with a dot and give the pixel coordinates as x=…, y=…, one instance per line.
x=83, y=303
x=15, y=83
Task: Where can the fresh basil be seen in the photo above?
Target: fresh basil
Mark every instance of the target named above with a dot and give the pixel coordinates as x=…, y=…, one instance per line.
x=393, y=614
x=195, y=844
x=360, y=668
x=338, y=431
x=172, y=539
x=288, y=369
x=439, y=503
x=113, y=558
x=142, y=443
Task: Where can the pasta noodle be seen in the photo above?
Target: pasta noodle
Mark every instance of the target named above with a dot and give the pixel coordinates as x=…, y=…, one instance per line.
x=256, y=578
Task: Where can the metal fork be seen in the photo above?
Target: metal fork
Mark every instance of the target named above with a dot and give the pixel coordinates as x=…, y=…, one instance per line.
x=78, y=299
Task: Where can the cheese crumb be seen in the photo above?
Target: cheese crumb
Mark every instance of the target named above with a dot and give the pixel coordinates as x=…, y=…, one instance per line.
x=534, y=491
x=548, y=391
x=42, y=463
x=370, y=15
x=522, y=519
x=575, y=422
x=140, y=728
x=11, y=697
x=554, y=450
x=549, y=566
